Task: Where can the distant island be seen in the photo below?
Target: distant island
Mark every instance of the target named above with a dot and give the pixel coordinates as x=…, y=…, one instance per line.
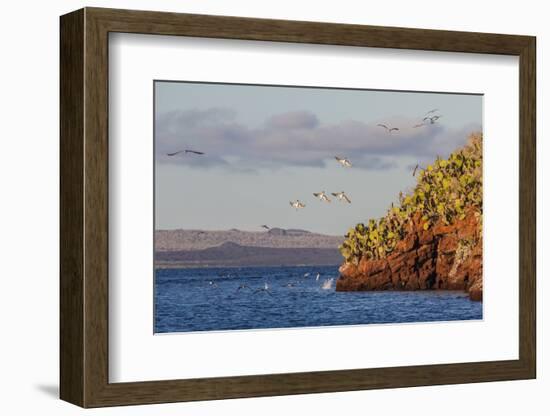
x=237, y=248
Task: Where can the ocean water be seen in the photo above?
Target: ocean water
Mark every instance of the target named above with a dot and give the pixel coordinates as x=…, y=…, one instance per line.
x=209, y=299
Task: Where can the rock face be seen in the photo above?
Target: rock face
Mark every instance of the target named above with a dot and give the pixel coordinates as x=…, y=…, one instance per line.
x=442, y=257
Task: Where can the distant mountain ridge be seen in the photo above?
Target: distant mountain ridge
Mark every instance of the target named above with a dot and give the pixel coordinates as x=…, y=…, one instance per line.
x=234, y=255
x=236, y=248
x=179, y=240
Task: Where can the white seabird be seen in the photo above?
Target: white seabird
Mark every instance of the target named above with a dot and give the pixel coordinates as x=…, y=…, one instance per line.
x=341, y=196
x=297, y=204
x=322, y=196
x=343, y=161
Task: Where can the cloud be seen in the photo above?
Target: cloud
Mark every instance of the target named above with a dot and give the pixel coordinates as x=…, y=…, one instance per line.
x=293, y=120
x=298, y=139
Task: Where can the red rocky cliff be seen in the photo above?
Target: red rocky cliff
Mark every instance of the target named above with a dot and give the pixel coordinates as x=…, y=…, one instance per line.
x=442, y=257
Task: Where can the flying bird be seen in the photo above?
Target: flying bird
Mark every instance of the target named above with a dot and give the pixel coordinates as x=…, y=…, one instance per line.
x=306, y=274
x=388, y=129
x=266, y=227
x=414, y=171
x=432, y=119
x=341, y=196
x=322, y=196
x=317, y=277
x=297, y=204
x=343, y=161
x=185, y=151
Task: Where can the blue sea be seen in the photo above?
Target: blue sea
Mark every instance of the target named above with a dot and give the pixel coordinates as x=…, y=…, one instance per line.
x=209, y=299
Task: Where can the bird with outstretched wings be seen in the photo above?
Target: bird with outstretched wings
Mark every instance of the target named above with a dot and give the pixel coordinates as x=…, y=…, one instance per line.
x=185, y=151
x=432, y=119
x=297, y=204
x=343, y=161
x=341, y=196
x=388, y=129
x=322, y=196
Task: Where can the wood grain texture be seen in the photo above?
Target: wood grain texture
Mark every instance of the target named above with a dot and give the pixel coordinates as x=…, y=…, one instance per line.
x=527, y=207
x=96, y=208
x=225, y=27
x=71, y=208
x=84, y=207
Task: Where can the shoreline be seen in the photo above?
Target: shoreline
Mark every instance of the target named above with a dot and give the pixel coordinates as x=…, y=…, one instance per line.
x=208, y=266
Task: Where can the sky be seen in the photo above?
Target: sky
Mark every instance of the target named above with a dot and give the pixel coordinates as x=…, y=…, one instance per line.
x=265, y=146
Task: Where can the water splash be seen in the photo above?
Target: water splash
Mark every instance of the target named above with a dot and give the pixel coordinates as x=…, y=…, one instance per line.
x=186, y=302
x=327, y=284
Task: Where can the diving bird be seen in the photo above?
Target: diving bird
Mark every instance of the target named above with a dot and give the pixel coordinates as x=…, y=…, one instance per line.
x=264, y=289
x=341, y=196
x=343, y=161
x=242, y=287
x=432, y=119
x=388, y=129
x=185, y=151
x=322, y=196
x=327, y=284
x=297, y=204
x=317, y=277
x=266, y=227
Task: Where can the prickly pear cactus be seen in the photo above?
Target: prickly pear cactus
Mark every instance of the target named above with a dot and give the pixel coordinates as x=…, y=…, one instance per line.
x=444, y=191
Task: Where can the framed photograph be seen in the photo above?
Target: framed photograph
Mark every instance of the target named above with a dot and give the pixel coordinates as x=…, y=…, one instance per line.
x=254, y=207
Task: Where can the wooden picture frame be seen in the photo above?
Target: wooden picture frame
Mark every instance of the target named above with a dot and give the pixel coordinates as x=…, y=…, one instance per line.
x=84, y=207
